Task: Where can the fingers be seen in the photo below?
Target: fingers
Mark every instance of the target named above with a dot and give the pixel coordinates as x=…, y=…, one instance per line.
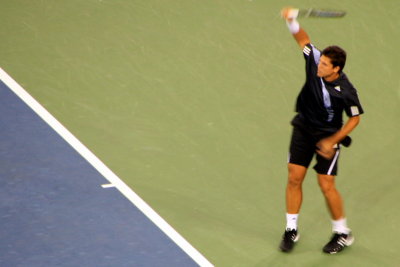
x=328, y=154
x=284, y=12
x=289, y=13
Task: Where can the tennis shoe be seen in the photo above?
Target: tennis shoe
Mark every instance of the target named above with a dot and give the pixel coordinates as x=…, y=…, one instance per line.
x=289, y=238
x=338, y=242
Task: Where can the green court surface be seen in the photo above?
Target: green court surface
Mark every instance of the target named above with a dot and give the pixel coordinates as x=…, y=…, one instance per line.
x=189, y=103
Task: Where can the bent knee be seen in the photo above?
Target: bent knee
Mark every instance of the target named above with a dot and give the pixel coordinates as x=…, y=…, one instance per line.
x=294, y=182
x=295, y=179
x=327, y=186
x=296, y=174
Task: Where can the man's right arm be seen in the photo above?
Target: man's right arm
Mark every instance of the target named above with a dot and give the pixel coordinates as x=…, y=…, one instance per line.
x=302, y=38
x=290, y=15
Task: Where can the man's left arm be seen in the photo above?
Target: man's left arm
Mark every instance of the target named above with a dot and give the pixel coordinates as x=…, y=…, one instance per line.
x=326, y=145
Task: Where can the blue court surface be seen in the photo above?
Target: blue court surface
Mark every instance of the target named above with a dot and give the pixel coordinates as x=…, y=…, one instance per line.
x=58, y=210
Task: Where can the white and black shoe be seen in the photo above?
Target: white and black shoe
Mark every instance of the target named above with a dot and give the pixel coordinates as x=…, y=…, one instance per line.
x=338, y=242
x=290, y=237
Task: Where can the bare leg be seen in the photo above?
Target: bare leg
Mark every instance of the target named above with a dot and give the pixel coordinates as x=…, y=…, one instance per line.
x=294, y=194
x=332, y=196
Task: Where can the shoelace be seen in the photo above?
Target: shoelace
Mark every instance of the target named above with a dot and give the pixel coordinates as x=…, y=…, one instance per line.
x=342, y=241
x=338, y=239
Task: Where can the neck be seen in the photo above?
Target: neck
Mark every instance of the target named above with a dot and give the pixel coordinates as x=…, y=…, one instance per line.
x=332, y=77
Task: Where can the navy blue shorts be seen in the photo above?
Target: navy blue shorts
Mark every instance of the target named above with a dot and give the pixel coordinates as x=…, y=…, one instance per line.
x=303, y=148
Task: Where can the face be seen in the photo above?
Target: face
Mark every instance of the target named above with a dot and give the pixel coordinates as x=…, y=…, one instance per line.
x=326, y=70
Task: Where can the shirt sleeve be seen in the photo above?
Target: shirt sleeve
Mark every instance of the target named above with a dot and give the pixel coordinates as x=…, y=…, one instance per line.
x=352, y=102
x=310, y=52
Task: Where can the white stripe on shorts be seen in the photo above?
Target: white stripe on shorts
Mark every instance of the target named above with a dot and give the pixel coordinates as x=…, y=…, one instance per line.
x=333, y=162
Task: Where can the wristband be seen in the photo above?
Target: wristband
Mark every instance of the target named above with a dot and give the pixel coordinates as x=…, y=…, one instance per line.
x=293, y=25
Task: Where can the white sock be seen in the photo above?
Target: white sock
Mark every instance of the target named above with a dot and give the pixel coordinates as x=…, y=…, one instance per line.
x=340, y=226
x=291, y=221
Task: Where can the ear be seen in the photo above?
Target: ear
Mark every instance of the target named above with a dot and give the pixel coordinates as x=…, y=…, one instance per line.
x=336, y=69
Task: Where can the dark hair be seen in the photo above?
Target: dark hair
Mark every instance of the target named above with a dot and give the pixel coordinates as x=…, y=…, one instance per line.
x=337, y=56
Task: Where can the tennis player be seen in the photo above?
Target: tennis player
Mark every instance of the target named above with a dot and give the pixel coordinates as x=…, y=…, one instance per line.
x=318, y=130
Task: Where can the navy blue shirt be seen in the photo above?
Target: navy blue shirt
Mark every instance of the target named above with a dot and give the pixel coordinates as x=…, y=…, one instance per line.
x=320, y=104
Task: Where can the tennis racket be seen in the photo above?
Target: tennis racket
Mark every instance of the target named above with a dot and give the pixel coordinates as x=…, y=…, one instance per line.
x=320, y=13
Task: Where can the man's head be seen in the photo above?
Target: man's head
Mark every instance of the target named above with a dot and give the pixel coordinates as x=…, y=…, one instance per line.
x=331, y=64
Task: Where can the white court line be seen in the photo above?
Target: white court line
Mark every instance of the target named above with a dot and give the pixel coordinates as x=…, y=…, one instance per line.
x=104, y=170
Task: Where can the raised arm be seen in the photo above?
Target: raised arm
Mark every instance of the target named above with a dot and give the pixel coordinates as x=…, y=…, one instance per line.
x=290, y=15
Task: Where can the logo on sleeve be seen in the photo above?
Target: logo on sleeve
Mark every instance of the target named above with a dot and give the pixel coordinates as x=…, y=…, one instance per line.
x=354, y=111
x=306, y=50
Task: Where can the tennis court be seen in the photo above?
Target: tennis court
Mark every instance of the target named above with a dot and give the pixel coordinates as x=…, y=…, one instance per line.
x=189, y=103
